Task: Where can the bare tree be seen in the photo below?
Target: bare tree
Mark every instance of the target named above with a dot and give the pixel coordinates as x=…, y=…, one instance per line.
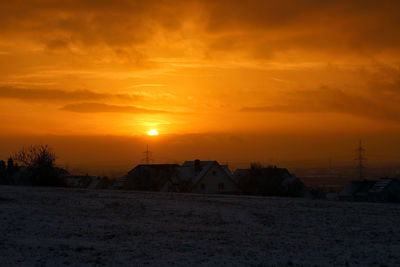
x=36, y=156
x=40, y=163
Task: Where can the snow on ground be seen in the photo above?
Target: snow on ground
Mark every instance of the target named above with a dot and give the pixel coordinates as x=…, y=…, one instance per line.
x=47, y=226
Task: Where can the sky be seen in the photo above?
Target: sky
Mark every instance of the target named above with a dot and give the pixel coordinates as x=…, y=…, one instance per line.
x=236, y=70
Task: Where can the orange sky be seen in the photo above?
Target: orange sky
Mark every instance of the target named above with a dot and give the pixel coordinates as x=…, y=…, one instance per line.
x=95, y=68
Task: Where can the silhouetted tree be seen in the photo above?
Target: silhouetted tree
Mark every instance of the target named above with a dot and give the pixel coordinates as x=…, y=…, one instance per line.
x=260, y=180
x=10, y=165
x=3, y=170
x=10, y=172
x=40, y=162
x=256, y=166
x=35, y=156
x=2, y=166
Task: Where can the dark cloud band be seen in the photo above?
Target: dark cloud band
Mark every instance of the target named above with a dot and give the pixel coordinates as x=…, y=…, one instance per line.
x=105, y=108
x=30, y=94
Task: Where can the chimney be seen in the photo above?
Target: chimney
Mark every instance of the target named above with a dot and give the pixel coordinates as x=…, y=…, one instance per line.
x=197, y=167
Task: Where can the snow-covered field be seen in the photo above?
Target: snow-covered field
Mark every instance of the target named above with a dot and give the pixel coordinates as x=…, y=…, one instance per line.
x=47, y=226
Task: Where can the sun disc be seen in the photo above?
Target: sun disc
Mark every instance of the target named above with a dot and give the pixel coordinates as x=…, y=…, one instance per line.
x=152, y=132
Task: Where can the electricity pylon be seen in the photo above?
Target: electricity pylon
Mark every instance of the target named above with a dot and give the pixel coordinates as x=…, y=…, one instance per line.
x=360, y=161
x=147, y=153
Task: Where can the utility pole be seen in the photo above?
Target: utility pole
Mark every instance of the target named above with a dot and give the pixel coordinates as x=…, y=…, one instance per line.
x=147, y=153
x=360, y=161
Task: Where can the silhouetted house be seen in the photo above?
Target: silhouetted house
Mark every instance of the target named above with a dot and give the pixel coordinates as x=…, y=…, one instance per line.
x=356, y=191
x=207, y=177
x=17, y=176
x=147, y=177
x=383, y=190
x=270, y=181
x=193, y=176
x=240, y=174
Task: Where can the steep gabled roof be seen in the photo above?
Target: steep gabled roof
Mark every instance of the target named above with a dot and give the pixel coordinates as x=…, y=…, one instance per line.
x=227, y=170
x=196, y=177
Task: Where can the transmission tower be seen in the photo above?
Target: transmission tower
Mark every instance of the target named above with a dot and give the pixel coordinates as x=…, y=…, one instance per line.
x=360, y=161
x=147, y=154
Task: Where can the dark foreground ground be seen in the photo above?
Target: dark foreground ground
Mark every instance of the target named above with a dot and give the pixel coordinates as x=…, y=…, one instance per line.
x=40, y=226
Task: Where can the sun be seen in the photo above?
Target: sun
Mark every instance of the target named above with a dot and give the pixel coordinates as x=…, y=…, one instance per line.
x=152, y=132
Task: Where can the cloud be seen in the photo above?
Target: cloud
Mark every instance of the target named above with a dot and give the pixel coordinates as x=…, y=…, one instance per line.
x=259, y=28
x=89, y=23
x=204, y=50
x=31, y=94
x=106, y=108
x=147, y=85
x=303, y=30
x=332, y=100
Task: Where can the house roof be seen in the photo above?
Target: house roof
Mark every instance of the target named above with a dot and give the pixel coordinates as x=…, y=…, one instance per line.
x=175, y=173
x=159, y=174
x=239, y=173
x=202, y=163
x=153, y=167
x=227, y=170
x=357, y=188
x=188, y=167
x=287, y=180
x=366, y=189
x=381, y=185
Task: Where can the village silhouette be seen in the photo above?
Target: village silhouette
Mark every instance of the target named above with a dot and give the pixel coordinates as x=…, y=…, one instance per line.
x=36, y=166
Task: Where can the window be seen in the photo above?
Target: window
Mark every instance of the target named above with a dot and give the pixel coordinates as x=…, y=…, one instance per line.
x=221, y=187
x=214, y=173
x=203, y=186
